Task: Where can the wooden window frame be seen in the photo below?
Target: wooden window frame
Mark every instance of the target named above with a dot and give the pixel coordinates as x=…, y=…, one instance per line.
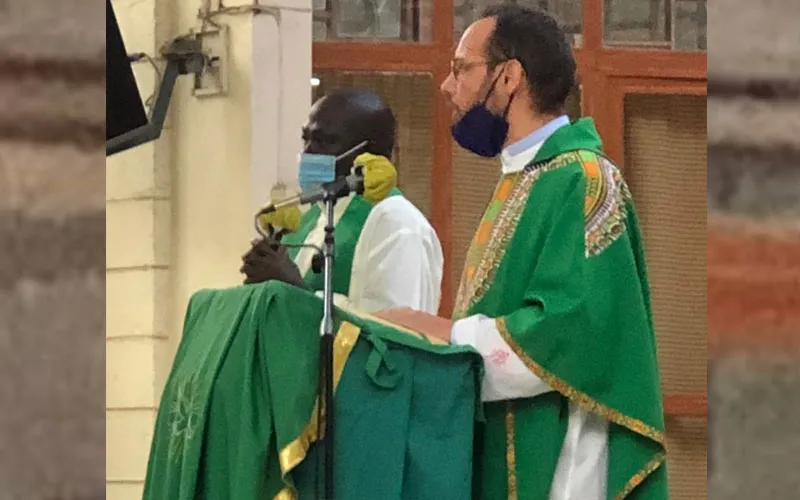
x=607, y=74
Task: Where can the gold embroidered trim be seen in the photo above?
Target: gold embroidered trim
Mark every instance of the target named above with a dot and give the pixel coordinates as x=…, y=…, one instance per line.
x=293, y=453
x=640, y=476
x=484, y=260
x=473, y=288
x=589, y=404
x=346, y=338
x=607, y=198
x=597, y=190
x=511, y=453
x=581, y=399
x=285, y=494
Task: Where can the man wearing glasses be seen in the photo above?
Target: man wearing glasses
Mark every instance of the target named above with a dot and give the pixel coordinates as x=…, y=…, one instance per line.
x=554, y=293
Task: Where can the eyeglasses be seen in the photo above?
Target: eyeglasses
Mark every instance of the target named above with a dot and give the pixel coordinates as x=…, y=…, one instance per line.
x=459, y=66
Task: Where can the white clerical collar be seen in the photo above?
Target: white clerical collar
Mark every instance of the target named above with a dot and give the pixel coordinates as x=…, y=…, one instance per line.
x=518, y=155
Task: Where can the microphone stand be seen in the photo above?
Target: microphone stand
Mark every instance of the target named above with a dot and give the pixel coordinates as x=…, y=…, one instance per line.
x=325, y=415
x=325, y=382
x=325, y=387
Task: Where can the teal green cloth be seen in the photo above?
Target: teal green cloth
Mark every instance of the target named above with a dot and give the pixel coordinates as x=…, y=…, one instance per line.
x=243, y=388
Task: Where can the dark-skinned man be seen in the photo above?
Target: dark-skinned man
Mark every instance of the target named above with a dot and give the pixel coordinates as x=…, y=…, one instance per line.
x=387, y=253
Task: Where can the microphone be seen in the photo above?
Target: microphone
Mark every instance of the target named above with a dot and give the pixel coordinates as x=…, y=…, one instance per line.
x=281, y=222
x=338, y=188
x=373, y=177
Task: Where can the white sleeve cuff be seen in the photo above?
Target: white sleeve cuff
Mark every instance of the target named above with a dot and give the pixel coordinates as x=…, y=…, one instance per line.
x=506, y=376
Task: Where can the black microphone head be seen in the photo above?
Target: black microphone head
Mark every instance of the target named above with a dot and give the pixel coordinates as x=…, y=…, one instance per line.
x=267, y=210
x=356, y=179
x=339, y=188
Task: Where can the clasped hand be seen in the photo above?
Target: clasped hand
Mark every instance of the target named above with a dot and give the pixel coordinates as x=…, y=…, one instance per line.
x=268, y=260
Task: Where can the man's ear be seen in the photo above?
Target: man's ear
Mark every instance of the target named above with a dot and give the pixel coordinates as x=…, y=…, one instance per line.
x=513, y=79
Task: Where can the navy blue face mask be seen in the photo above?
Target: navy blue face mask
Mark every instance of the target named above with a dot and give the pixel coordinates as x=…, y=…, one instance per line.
x=482, y=131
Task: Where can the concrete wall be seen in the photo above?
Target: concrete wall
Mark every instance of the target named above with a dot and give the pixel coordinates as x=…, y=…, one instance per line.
x=52, y=309
x=52, y=249
x=754, y=250
x=747, y=38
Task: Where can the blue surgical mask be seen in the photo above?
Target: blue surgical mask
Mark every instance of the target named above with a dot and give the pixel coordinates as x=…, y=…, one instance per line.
x=482, y=131
x=315, y=170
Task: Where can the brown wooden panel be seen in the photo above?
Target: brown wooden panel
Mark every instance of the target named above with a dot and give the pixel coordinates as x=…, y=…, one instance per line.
x=665, y=166
x=366, y=56
x=667, y=64
x=687, y=458
x=686, y=405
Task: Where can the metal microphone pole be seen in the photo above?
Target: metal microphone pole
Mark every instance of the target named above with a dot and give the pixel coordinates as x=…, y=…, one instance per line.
x=326, y=351
x=325, y=382
x=326, y=410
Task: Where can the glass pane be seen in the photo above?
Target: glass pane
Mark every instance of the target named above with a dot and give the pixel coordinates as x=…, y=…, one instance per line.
x=638, y=22
x=410, y=95
x=568, y=12
x=386, y=20
x=690, y=25
x=320, y=30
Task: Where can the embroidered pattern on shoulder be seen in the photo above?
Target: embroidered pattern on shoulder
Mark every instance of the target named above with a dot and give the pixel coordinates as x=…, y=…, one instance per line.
x=605, y=208
x=496, y=230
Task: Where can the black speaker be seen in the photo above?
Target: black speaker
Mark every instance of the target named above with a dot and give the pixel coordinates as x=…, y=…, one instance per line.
x=124, y=108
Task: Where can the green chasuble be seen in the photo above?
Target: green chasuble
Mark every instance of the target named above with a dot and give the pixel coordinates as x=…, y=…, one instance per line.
x=348, y=230
x=558, y=261
x=238, y=415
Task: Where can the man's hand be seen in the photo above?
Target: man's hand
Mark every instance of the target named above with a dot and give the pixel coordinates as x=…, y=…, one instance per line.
x=428, y=324
x=268, y=260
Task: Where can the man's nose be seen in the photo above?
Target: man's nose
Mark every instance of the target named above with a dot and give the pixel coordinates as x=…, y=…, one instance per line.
x=446, y=87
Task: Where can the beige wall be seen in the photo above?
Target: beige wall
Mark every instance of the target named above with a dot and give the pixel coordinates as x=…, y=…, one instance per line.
x=179, y=210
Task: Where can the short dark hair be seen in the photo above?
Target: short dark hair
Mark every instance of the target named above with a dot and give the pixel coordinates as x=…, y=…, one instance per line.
x=533, y=38
x=373, y=118
x=381, y=142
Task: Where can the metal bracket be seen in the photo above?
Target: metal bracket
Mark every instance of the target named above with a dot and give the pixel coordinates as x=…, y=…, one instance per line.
x=212, y=80
x=184, y=57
